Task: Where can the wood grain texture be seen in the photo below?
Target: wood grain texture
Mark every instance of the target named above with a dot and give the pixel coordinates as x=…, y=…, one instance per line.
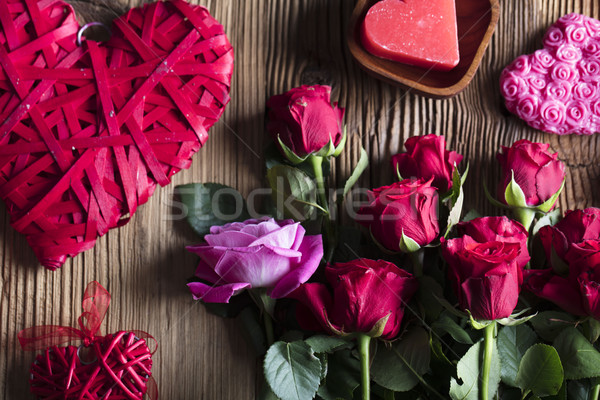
x=278, y=45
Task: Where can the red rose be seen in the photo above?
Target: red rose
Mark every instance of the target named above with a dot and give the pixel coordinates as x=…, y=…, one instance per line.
x=497, y=229
x=304, y=120
x=486, y=276
x=575, y=227
x=408, y=207
x=365, y=293
x=539, y=173
x=426, y=157
x=579, y=291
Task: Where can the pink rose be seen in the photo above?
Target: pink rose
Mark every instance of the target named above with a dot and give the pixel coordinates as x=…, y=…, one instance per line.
x=575, y=227
x=365, y=293
x=553, y=115
x=486, y=276
x=426, y=157
x=527, y=108
x=408, y=207
x=576, y=35
x=304, y=119
x=560, y=91
x=585, y=91
x=497, y=229
x=562, y=71
x=553, y=38
x=261, y=253
x=512, y=86
x=592, y=26
x=538, y=172
x=521, y=66
x=542, y=61
x=568, y=53
x=578, y=114
x=579, y=291
x=590, y=69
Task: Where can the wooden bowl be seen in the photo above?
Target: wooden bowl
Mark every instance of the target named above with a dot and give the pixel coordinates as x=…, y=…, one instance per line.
x=476, y=21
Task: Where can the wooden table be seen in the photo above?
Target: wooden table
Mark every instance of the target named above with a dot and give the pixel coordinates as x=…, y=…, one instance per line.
x=278, y=45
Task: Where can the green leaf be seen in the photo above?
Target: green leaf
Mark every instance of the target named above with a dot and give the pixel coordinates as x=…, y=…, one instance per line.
x=361, y=166
x=253, y=330
x=549, y=324
x=292, y=370
x=540, y=371
x=471, y=215
x=514, y=195
x=456, y=200
x=445, y=324
x=580, y=389
x=427, y=294
x=400, y=367
x=408, y=245
x=468, y=370
x=343, y=376
x=210, y=204
x=294, y=192
x=513, y=342
x=325, y=344
x=579, y=358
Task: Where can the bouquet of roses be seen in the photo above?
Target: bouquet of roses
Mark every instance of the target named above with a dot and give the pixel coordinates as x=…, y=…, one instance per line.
x=422, y=302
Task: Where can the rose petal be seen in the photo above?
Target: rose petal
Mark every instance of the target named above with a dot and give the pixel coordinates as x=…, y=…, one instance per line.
x=312, y=252
x=215, y=294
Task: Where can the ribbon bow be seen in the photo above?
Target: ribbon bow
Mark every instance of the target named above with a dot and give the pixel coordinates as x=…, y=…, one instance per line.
x=96, y=300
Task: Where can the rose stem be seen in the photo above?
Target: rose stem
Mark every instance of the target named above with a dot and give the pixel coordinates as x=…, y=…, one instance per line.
x=595, y=391
x=317, y=164
x=363, y=348
x=269, y=329
x=525, y=216
x=488, y=342
x=417, y=261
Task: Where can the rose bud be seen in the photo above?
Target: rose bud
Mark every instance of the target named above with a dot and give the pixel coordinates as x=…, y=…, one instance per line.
x=497, y=229
x=368, y=297
x=579, y=291
x=426, y=157
x=486, y=276
x=575, y=227
x=538, y=174
x=261, y=253
x=303, y=122
x=403, y=212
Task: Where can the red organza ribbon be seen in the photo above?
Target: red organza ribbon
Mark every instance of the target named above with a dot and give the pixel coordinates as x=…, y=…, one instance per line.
x=96, y=300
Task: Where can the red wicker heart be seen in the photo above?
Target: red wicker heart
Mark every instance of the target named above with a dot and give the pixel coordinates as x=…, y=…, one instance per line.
x=117, y=367
x=88, y=131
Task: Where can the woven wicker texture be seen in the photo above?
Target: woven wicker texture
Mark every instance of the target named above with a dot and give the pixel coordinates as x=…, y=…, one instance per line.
x=119, y=367
x=88, y=131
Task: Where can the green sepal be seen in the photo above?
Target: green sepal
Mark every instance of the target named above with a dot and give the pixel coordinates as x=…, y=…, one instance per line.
x=479, y=324
x=340, y=147
x=289, y=154
x=491, y=199
x=379, y=327
x=514, y=195
x=408, y=245
x=326, y=150
x=516, y=319
x=546, y=206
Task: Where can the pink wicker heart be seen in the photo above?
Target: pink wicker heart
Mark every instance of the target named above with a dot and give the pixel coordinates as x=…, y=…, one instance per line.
x=116, y=366
x=557, y=89
x=87, y=132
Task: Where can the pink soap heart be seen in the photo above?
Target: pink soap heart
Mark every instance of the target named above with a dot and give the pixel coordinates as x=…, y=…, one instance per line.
x=557, y=89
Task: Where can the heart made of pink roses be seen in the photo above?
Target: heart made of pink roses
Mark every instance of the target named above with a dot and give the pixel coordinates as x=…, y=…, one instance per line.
x=557, y=89
x=87, y=131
